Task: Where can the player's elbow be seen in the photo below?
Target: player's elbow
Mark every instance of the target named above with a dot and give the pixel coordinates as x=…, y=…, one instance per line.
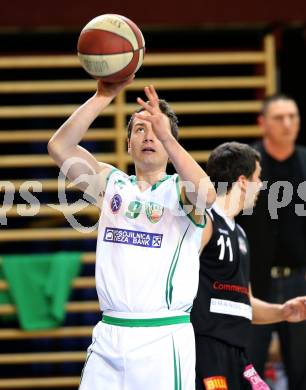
x=55, y=151
x=211, y=197
x=52, y=148
x=204, y=200
x=206, y=192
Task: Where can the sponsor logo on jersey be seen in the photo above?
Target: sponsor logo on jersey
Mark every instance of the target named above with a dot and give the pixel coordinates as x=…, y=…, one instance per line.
x=215, y=383
x=133, y=237
x=230, y=287
x=115, y=203
x=154, y=211
x=242, y=245
x=232, y=308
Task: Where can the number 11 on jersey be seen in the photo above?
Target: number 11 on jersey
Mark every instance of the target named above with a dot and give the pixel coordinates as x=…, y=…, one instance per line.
x=223, y=245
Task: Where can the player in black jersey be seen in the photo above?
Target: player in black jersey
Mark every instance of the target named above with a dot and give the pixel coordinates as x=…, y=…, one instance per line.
x=224, y=306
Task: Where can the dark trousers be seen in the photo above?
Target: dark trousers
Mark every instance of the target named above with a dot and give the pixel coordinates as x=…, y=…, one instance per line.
x=216, y=359
x=292, y=335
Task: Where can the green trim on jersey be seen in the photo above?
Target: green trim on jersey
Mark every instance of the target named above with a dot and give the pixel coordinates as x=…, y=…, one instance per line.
x=188, y=310
x=133, y=180
x=158, y=183
x=109, y=175
x=146, y=322
x=176, y=369
x=169, y=286
x=189, y=215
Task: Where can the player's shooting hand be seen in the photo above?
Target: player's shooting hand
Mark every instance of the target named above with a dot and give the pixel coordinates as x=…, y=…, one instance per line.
x=294, y=310
x=160, y=122
x=112, y=89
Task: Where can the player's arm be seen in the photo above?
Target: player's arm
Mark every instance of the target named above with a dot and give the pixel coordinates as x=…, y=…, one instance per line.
x=188, y=169
x=77, y=163
x=203, y=194
x=294, y=310
x=207, y=233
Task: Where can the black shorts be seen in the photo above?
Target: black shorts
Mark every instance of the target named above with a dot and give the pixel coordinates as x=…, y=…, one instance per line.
x=219, y=365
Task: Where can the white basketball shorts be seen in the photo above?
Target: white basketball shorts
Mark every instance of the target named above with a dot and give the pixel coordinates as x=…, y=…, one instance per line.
x=152, y=353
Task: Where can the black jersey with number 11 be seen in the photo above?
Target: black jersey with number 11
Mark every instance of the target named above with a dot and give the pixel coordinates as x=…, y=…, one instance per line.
x=222, y=307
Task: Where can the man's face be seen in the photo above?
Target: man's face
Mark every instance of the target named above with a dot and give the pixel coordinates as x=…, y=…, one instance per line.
x=281, y=122
x=253, y=187
x=144, y=147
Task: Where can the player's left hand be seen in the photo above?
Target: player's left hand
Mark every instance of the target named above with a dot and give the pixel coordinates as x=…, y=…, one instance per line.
x=294, y=310
x=159, y=121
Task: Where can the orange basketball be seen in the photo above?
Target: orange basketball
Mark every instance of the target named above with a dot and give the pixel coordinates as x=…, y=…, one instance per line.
x=111, y=47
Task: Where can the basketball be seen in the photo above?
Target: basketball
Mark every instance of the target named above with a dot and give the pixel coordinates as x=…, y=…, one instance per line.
x=111, y=47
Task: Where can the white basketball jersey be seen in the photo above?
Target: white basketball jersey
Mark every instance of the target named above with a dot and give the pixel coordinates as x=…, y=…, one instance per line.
x=147, y=248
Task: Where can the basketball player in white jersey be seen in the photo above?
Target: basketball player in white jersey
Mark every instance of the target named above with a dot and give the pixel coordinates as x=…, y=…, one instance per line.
x=147, y=249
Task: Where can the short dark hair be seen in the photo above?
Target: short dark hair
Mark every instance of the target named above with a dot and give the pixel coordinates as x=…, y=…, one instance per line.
x=165, y=109
x=230, y=160
x=271, y=99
